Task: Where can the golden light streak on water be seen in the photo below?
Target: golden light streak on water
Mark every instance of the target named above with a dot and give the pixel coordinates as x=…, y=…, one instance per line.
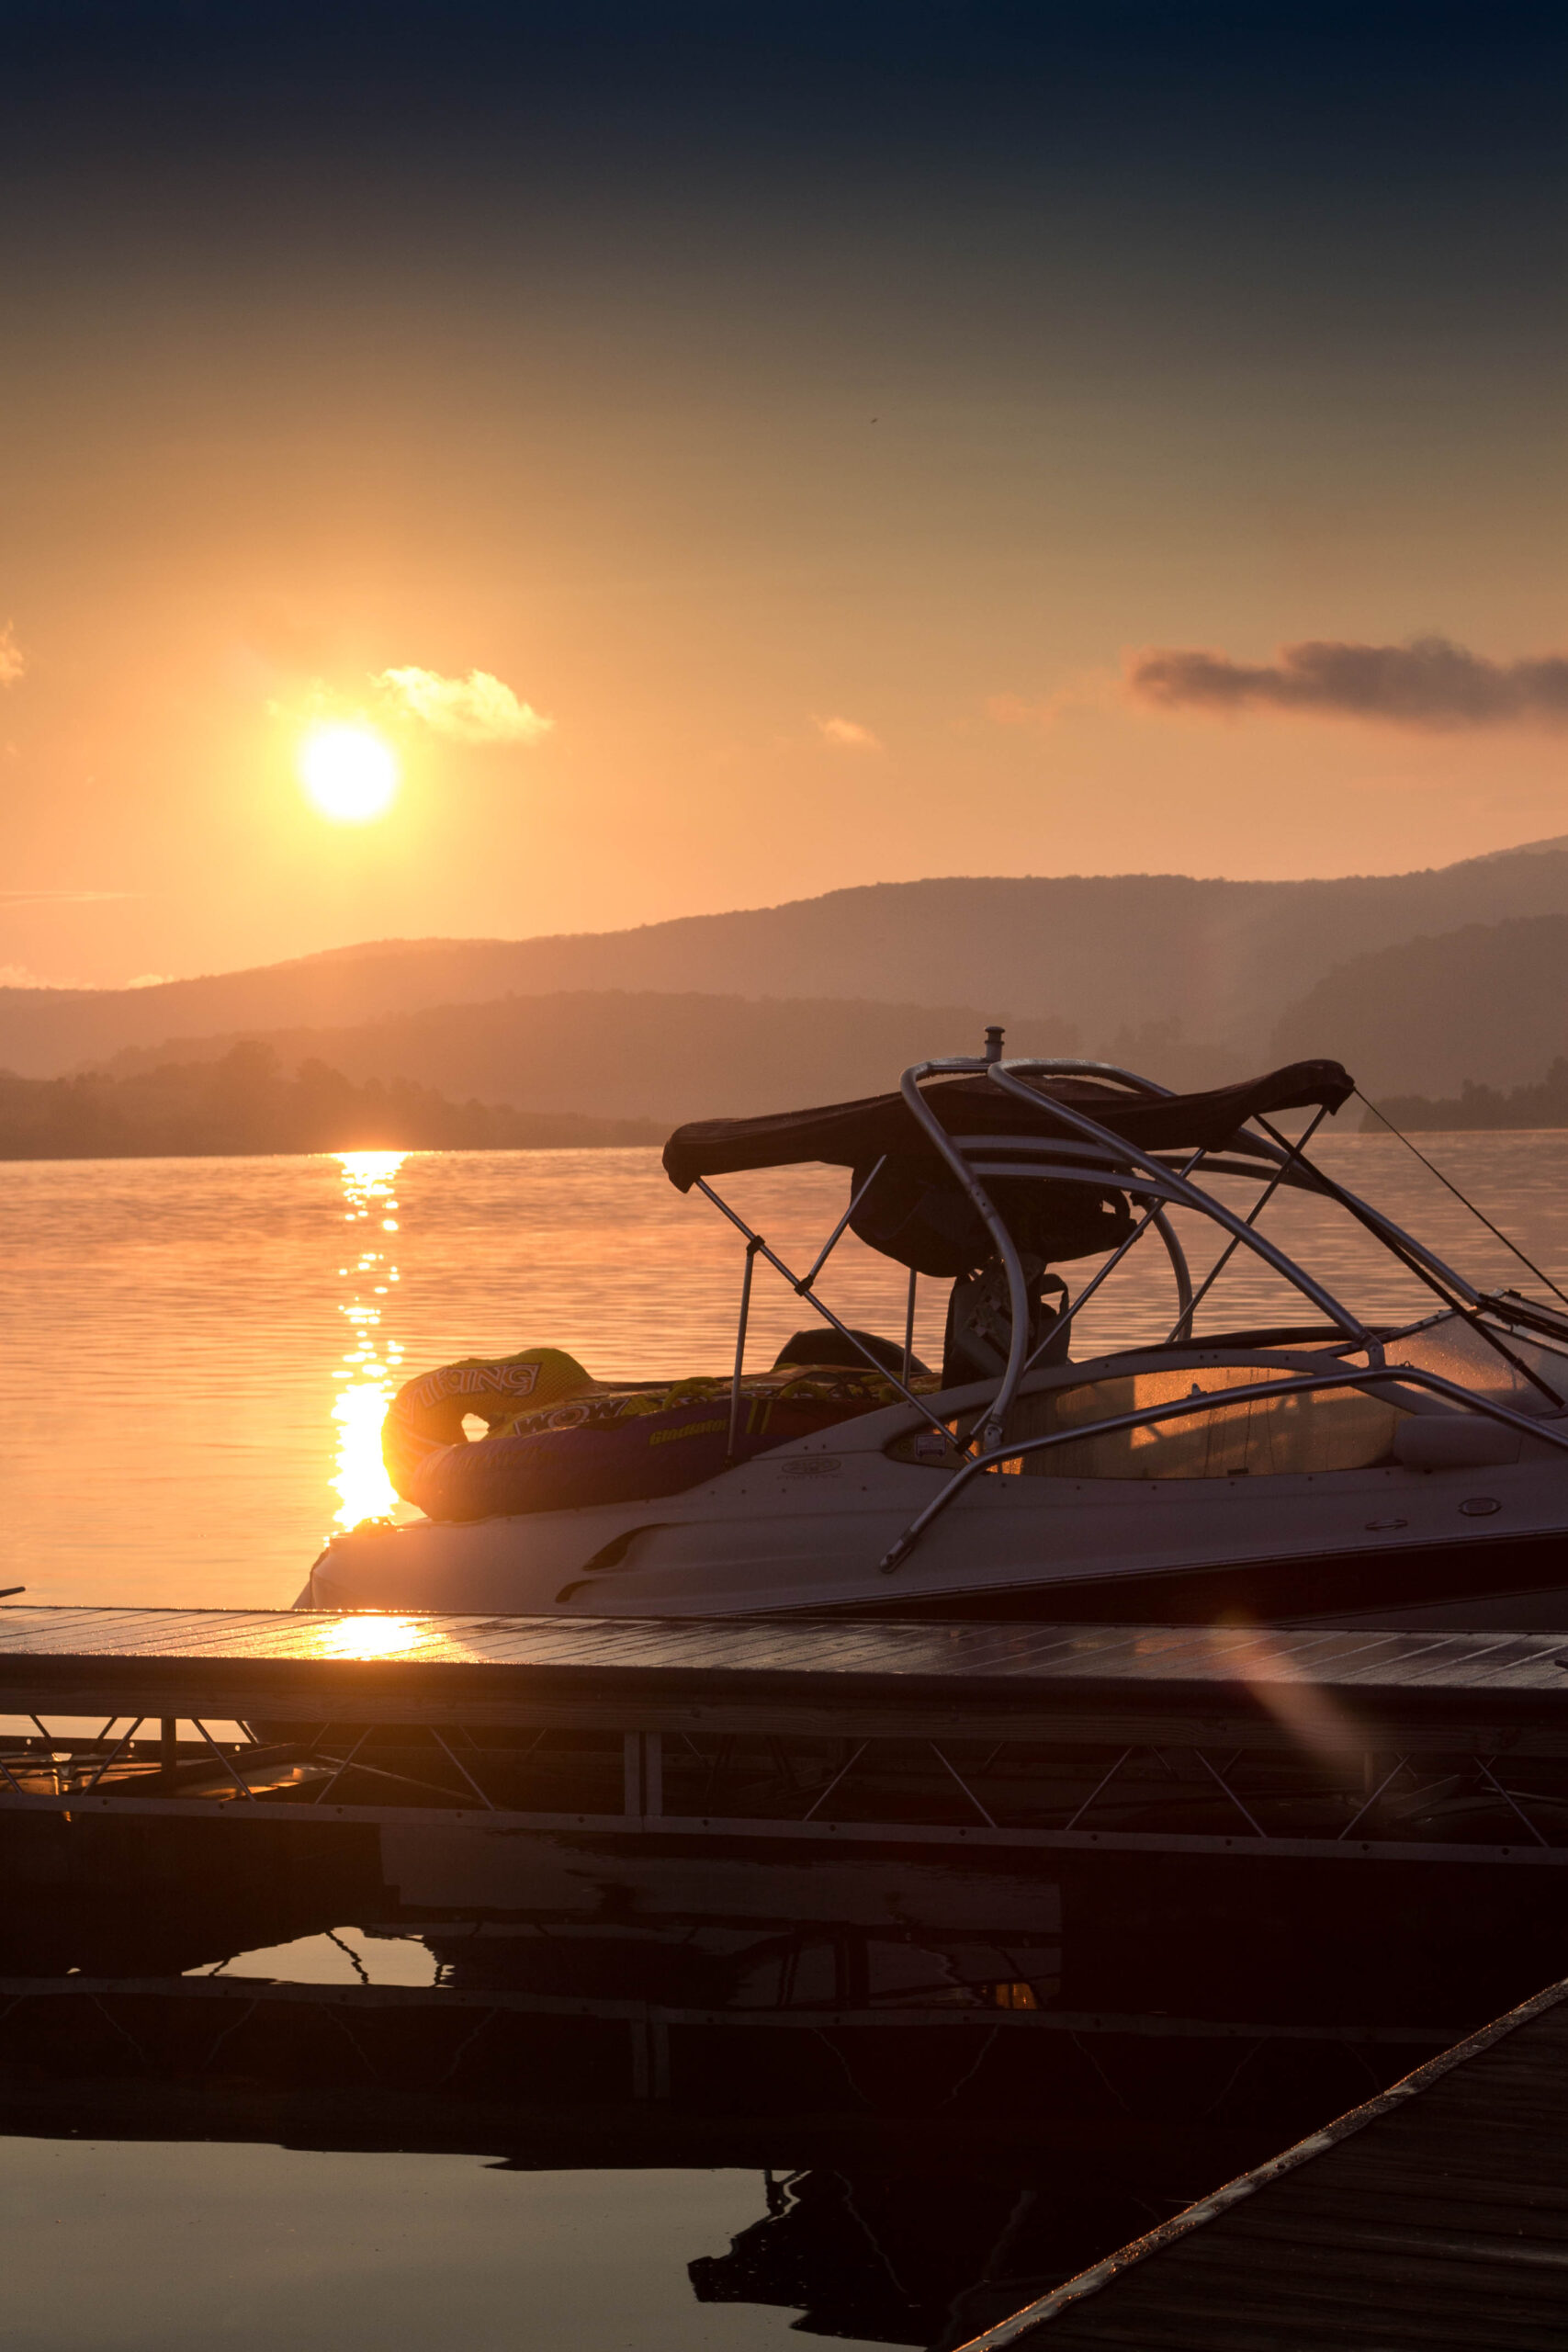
x=372, y=1366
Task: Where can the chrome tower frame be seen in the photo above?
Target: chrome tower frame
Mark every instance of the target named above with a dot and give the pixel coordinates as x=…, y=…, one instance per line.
x=1154, y=1182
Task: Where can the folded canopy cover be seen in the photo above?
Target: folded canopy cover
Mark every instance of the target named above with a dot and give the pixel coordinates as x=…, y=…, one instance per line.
x=856, y=1135
x=912, y=1208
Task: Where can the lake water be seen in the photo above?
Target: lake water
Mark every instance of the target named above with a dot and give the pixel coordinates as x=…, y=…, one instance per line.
x=196, y=1357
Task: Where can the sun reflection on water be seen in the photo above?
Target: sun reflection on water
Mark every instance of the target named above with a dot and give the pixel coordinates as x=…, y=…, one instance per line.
x=372, y=1365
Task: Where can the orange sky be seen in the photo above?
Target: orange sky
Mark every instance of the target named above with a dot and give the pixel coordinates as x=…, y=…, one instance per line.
x=815, y=496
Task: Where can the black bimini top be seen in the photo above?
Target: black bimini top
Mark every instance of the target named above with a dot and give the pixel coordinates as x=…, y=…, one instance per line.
x=854, y=1135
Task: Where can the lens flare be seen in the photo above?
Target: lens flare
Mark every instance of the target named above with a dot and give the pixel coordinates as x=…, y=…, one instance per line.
x=348, y=772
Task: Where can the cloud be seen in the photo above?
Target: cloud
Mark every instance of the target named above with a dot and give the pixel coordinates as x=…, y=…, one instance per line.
x=849, y=734
x=476, y=709
x=13, y=661
x=1431, y=682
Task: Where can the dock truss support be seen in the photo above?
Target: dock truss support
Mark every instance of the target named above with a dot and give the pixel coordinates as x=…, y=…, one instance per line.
x=1489, y=1801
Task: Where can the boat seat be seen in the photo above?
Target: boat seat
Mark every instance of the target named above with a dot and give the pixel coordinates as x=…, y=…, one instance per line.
x=822, y=1344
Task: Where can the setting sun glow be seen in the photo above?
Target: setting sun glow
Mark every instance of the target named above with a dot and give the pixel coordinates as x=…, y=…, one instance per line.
x=348, y=772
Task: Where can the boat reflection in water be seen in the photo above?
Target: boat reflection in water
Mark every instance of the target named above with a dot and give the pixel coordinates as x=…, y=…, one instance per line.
x=959, y=2080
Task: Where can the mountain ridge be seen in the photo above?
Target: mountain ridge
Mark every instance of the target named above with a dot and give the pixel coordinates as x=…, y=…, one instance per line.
x=1105, y=955
x=1486, y=1004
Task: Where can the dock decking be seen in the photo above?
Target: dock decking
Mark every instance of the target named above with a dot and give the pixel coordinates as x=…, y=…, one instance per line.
x=1339, y=1746
x=511, y=1669
x=1434, y=2215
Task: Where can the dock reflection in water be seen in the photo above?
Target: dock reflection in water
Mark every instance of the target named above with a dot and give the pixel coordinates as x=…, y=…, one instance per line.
x=880, y=2100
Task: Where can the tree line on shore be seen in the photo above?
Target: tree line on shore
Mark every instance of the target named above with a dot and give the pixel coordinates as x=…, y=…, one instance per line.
x=247, y=1102
x=1544, y=1104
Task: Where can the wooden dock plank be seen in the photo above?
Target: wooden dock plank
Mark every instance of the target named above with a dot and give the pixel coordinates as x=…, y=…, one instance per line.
x=1437, y=2214
x=1217, y=1660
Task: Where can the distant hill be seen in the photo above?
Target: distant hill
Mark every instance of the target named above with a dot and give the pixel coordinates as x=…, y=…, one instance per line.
x=246, y=1102
x=661, y=1058
x=1487, y=1003
x=1106, y=955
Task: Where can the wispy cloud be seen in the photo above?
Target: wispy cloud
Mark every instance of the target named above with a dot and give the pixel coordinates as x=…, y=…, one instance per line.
x=1013, y=710
x=476, y=709
x=22, y=976
x=849, y=734
x=1016, y=710
x=1098, y=689
x=1431, y=682
x=13, y=661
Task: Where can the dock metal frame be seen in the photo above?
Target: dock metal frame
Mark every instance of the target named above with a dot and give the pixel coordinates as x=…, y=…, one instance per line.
x=1399, y=1782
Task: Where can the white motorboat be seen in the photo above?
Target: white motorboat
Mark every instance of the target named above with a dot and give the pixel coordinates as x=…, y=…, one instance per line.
x=1334, y=1469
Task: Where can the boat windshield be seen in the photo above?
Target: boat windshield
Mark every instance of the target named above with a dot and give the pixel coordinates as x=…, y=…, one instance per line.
x=1322, y=1429
x=1453, y=1347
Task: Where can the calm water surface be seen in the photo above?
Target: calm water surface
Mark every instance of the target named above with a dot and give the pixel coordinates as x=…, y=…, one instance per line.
x=198, y=1356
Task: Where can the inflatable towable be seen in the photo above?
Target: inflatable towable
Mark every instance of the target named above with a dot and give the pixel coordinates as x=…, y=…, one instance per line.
x=558, y=1439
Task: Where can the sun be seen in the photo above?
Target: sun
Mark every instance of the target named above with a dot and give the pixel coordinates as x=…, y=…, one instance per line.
x=348, y=772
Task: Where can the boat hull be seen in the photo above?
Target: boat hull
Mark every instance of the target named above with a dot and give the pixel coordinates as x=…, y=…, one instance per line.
x=804, y=1530
x=1514, y=1584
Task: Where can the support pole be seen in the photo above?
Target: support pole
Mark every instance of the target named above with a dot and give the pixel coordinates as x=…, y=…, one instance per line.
x=751, y=1249
x=650, y=2057
x=909, y=1327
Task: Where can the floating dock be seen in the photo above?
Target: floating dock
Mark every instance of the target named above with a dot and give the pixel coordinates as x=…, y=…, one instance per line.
x=1337, y=1746
x=1026, y=1810
x=1434, y=2214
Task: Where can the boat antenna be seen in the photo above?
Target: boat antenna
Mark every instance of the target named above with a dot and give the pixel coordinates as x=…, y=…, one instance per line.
x=994, y=1036
x=1462, y=1198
